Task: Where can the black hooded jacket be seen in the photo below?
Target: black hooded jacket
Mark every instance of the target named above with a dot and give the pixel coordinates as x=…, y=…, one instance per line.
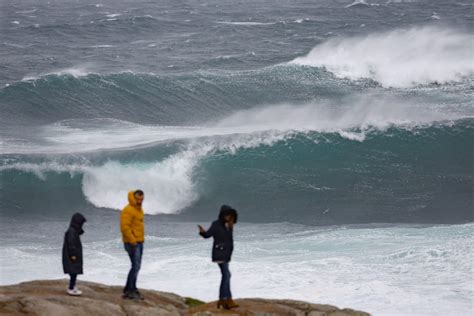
x=72, y=246
x=223, y=244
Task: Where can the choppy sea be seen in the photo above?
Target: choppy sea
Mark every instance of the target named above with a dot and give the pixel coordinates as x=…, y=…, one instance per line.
x=341, y=131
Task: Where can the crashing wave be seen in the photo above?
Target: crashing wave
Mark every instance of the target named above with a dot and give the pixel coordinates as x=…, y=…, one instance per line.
x=400, y=58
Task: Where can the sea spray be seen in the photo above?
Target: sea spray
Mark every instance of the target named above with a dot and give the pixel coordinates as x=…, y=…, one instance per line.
x=399, y=58
x=257, y=126
x=168, y=184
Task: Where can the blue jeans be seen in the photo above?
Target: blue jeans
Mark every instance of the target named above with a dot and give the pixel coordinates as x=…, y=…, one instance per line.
x=224, y=290
x=72, y=281
x=135, y=253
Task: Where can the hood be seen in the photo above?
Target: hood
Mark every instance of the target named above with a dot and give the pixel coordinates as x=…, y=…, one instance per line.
x=227, y=210
x=132, y=201
x=77, y=221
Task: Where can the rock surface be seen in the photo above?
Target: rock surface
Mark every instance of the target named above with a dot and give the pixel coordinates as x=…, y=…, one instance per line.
x=49, y=298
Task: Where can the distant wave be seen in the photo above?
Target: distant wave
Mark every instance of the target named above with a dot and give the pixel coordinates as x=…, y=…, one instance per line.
x=400, y=58
x=357, y=3
x=76, y=72
x=255, y=126
x=87, y=91
x=102, y=46
x=113, y=15
x=26, y=11
x=248, y=23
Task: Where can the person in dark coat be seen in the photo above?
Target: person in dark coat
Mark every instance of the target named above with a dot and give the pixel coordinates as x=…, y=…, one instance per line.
x=72, y=252
x=223, y=246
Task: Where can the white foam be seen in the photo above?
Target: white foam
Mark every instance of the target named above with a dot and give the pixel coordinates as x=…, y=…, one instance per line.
x=399, y=58
x=401, y=1
x=383, y=271
x=113, y=15
x=26, y=11
x=17, y=45
x=102, y=46
x=435, y=16
x=360, y=137
x=246, y=23
x=361, y=113
x=357, y=3
x=40, y=170
x=76, y=72
x=261, y=125
x=168, y=184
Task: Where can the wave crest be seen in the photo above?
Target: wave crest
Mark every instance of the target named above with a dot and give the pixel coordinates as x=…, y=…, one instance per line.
x=297, y=168
x=252, y=127
x=400, y=58
x=168, y=184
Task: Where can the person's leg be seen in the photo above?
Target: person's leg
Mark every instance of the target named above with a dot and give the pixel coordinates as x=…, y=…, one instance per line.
x=131, y=253
x=224, y=290
x=72, y=281
x=221, y=287
x=136, y=265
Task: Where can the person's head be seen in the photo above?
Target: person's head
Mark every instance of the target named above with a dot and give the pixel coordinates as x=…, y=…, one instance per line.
x=228, y=214
x=139, y=197
x=77, y=221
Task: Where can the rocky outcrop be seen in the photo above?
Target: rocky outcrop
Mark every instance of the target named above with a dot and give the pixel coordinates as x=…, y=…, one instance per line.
x=49, y=298
x=265, y=307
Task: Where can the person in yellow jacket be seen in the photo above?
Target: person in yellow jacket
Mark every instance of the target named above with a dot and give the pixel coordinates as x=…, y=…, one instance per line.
x=133, y=236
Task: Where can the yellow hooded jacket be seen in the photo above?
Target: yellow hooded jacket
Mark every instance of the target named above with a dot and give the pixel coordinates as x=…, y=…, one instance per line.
x=131, y=221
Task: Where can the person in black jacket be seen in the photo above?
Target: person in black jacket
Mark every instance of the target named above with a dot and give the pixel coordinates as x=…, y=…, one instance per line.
x=222, y=232
x=72, y=252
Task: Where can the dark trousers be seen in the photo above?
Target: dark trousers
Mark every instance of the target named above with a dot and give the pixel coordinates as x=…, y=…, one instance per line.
x=135, y=253
x=224, y=290
x=72, y=281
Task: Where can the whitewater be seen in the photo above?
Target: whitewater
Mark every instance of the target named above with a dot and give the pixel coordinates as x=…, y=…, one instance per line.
x=342, y=132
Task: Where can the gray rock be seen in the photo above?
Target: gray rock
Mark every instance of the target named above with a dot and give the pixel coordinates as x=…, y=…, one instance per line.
x=49, y=297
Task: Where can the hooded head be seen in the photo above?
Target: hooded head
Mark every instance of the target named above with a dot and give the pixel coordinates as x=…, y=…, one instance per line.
x=227, y=210
x=132, y=198
x=77, y=221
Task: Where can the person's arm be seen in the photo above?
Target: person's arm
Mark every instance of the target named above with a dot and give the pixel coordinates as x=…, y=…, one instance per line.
x=126, y=226
x=208, y=233
x=71, y=245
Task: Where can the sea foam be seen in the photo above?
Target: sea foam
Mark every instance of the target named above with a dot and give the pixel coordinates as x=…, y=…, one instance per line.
x=170, y=180
x=168, y=183
x=76, y=72
x=400, y=58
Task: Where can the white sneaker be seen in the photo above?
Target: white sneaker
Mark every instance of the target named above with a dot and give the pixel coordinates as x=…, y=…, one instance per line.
x=74, y=292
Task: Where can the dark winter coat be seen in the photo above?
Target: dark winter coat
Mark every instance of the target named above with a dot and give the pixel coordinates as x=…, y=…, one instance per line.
x=72, y=246
x=223, y=245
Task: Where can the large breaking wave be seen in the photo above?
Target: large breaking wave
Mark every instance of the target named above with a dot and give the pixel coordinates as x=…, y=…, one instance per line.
x=326, y=164
x=399, y=58
x=282, y=142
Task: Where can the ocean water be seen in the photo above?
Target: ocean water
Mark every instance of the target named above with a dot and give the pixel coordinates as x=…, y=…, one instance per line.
x=341, y=131
x=382, y=269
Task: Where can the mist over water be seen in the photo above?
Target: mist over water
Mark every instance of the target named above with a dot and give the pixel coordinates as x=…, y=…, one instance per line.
x=341, y=131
